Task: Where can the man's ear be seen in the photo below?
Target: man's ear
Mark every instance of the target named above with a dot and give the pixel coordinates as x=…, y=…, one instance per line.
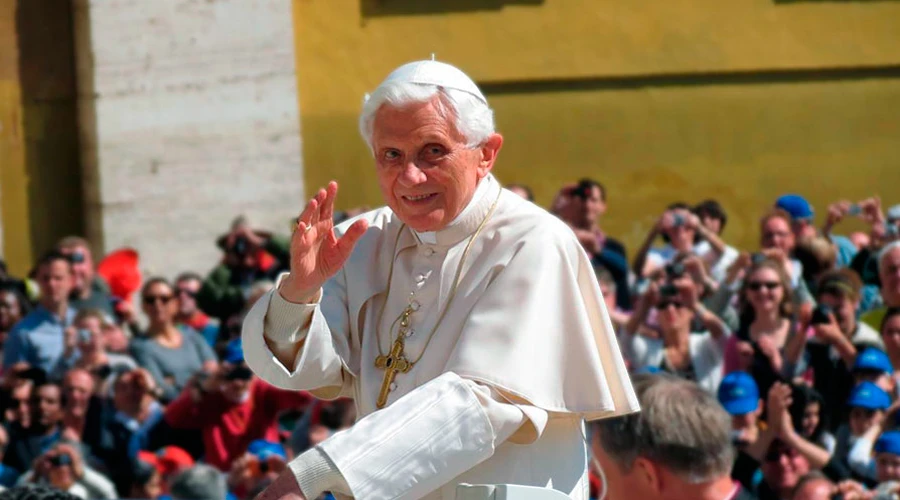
x=489, y=151
x=644, y=471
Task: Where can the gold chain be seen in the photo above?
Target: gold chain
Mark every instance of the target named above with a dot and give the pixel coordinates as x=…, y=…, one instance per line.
x=407, y=312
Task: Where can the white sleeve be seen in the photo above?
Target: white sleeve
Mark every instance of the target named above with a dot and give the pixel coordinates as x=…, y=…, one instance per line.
x=419, y=443
x=860, y=458
x=319, y=363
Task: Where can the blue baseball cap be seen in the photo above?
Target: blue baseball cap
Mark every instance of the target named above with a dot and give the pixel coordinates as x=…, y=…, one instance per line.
x=234, y=352
x=874, y=359
x=869, y=396
x=739, y=393
x=796, y=205
x=263, y=449
x=888, y=442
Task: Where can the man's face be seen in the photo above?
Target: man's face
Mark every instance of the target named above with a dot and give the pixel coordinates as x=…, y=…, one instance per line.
x=711, y=223
x=55, y=281
x=593, y=206
x=187, y=295
x=890, y=334
x=776, y=233
x=803, y=228
x=746, y=421
x=844, y=311
x=82, y=266
x=783, y=467
x=78, y=387
x=889, y=272
x=236, y=381
x=46, y=405
x=887, y=467
x=862, y=419
x=21, y=396
x=10, y=312
x=681, y=235
x=425, y=170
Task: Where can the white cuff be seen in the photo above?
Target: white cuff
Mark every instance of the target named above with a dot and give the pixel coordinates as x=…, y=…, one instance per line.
x=316, y=473
x=286, y=322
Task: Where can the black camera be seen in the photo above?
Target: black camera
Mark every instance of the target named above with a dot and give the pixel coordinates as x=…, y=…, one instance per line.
x=820, y=315
x=757, y=258
x=60, y=460
x=668, y=290
x=675, y=270
x=241, y=246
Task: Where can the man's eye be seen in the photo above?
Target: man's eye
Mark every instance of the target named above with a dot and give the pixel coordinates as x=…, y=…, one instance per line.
x=434, y=151
x=391, y=154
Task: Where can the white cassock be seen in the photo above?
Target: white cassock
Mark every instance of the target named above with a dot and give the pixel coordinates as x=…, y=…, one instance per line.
x=523, y=353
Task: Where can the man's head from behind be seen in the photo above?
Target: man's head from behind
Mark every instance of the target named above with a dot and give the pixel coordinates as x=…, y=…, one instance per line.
x=678, y=445
x=432, y=135
x=200, y=482
x=78, y=251
x=55, y=279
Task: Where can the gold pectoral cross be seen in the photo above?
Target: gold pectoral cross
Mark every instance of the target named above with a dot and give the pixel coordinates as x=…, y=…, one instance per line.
x=394, y=362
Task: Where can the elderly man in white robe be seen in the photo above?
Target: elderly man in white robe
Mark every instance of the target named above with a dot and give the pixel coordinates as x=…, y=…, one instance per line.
x=464, y=321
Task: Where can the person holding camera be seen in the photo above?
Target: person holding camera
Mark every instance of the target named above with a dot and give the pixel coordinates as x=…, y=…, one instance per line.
x=250, y=256
x=695, y=356
x=232, y=407
x=681, y=230
x=171, y=353
x=86, y=335
x=838, y=337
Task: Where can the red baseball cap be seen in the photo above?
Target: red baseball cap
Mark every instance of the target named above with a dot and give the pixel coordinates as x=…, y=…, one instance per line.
x=167, y=460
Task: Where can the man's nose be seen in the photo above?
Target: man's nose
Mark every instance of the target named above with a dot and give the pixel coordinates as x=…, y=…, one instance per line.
x=412, y=175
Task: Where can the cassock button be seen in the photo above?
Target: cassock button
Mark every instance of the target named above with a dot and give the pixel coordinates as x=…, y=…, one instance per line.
x=414, y=305
x=429, y=251
x=420, y=278
x=393, y=386
x=409, y=333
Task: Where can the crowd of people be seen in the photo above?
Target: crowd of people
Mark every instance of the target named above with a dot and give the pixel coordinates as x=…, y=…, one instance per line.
x=147, y=395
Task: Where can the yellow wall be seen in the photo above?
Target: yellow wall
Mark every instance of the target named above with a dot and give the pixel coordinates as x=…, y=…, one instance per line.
x=13, y=199
x=685, y=99
x=40, y=176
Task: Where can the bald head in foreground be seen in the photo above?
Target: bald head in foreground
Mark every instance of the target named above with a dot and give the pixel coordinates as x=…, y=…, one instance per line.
x=677, y=448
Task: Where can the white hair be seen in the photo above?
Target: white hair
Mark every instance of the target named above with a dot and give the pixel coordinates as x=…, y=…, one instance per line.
x=885, y=251
x=474, y=118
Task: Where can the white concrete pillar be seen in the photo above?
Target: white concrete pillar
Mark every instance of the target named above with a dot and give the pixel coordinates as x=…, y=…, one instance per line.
x=188, y=118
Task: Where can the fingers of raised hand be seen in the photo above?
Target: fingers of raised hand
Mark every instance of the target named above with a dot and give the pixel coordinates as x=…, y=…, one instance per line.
x=326, y=212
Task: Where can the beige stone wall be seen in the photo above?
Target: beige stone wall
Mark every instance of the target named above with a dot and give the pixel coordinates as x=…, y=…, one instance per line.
x=188, y=117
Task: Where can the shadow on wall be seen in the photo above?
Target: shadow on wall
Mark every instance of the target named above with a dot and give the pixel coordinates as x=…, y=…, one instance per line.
x=378, y=8
x=49, y=117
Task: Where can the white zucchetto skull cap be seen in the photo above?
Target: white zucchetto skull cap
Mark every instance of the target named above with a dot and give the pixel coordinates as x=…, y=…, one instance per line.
x=435, y=73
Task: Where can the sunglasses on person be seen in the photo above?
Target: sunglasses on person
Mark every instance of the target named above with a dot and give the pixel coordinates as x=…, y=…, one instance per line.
x=76, y=257
x=60, y=460
x=663, y=305
x=776, y=452
x=153, y=299
x=189, y=293
x=759, y=285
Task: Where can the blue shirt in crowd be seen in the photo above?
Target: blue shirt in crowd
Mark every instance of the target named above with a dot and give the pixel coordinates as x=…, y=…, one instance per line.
x=39, y=339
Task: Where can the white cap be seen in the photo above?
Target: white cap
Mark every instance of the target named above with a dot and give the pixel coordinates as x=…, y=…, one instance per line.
x=435, y=73
x=893, y=213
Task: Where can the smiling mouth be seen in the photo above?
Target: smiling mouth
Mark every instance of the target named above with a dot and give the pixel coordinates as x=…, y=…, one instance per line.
x=419, y=198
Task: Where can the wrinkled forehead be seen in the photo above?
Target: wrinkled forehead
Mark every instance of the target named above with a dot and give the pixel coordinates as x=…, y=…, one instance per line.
x=415, y=122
